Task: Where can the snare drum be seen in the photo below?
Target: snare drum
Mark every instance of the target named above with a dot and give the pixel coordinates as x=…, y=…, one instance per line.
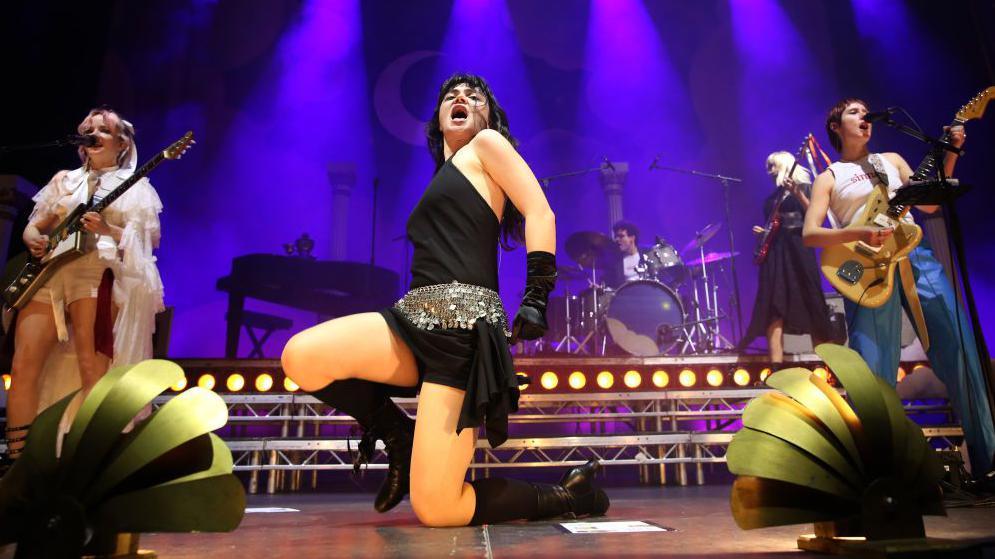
x=665, y=265
x=645, y=317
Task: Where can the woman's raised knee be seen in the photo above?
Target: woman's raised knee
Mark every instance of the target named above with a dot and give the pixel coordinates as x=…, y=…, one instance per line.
x=298, y=360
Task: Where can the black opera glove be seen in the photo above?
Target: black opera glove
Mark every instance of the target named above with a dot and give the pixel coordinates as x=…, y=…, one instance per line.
x=530, y=320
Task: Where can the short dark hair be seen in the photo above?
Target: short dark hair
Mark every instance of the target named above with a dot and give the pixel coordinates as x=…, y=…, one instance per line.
x=836, y=116
x=512, y=220
x=629, y=227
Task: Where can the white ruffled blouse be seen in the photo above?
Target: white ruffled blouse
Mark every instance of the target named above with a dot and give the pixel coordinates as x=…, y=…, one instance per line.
x=138, y=290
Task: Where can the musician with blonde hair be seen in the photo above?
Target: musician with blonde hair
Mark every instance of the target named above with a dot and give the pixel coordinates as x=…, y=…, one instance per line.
x=101, y=306
x=789, y=290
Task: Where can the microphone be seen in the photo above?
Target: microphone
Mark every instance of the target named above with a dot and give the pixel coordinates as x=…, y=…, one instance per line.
x=87, y=141
x=880, y=115
x=607, y=163
x=655, y=161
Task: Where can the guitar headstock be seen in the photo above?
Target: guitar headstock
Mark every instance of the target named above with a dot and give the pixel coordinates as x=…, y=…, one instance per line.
x=975, y=108
x=179, y=147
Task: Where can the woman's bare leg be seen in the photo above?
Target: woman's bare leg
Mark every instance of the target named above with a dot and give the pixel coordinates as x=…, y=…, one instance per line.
x=440, y=495
x=92, y=364
x=775, y=341
x=33, y=342
x=359, y=346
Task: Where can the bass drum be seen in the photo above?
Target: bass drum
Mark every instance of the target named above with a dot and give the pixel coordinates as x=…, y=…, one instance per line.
x=645, y=318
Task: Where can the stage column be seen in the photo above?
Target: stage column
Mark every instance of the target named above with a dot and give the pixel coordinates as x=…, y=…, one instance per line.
x=613, y=179
x=342, y=177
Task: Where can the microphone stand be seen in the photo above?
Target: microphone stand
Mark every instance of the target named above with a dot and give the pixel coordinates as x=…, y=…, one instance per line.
x=728, y=219
x=955, y=238
x=62, y=142
x=545, y=181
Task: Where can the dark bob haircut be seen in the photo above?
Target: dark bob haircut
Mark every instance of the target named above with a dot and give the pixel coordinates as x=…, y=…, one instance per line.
x=512, y=221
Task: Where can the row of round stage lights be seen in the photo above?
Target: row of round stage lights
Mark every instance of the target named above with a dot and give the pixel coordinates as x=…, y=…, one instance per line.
x=235, y=382
x=549, y=380
x=660, y=378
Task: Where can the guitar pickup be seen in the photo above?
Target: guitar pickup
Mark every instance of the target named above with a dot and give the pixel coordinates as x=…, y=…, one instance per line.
x=850, y=271
x=868, y=250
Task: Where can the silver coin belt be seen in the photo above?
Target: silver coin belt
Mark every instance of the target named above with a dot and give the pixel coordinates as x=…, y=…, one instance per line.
x=453, y=305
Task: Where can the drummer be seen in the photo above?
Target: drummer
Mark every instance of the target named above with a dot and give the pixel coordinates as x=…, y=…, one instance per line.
x=629, y=262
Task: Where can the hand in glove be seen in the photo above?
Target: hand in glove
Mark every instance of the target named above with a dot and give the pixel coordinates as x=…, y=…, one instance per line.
x=530, y=320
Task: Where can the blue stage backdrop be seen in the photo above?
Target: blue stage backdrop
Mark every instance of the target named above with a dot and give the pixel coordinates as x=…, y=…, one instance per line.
x=281, y=91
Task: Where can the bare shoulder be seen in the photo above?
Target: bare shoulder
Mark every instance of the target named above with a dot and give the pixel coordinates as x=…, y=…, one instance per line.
x=490, y=143
x=895, y=159
x=824, y=182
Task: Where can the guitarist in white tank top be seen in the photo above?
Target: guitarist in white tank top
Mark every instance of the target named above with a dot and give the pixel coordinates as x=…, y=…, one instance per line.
x=875, y=333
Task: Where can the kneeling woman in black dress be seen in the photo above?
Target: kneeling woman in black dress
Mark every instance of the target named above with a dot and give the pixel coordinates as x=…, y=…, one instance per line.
x=450, y=333
x=789, y=290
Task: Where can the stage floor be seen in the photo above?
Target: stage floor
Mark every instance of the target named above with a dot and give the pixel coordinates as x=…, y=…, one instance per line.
x=345, y=525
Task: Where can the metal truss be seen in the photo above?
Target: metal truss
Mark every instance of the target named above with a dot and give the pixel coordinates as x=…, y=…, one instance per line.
x=675, y=432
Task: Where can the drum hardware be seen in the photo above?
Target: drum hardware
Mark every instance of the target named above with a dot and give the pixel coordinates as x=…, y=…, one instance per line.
x=705, y=336
x=725, y=181
x=664, y=264
x=590, y=250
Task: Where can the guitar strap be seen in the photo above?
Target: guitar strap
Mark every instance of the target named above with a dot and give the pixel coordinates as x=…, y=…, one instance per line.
x=912, y=296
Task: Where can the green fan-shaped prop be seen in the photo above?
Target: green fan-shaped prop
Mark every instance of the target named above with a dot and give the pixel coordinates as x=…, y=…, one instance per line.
x=854, y=466
x=169, y=474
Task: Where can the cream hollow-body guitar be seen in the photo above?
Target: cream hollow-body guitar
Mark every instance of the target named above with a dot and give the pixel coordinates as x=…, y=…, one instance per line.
x=25, y=274
x=865, y=274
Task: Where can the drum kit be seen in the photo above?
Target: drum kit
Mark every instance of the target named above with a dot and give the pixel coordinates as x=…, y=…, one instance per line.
x=671, y=307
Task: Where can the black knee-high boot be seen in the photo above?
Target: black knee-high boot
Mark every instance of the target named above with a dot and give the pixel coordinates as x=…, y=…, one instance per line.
x=502, y=500
x=367, y=402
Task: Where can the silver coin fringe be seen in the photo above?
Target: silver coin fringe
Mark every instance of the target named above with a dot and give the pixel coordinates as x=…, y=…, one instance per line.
x=453, y=305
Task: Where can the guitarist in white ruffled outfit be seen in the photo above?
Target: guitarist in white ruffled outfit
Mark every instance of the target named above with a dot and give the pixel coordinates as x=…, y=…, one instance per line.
x=61, y=340
x=875, y=333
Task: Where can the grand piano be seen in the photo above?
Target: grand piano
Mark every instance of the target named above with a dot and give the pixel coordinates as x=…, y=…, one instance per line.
x=328, y=288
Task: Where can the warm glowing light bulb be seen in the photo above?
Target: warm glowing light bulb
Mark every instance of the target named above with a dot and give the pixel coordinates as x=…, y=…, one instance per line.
x=549, y=380
x=6, y=381
x=235, y=382
x=264, y=382
x=764, y=374
x=661, y=379
x=577, y=380
x=289, y=385
x=206, y=381
x=687, y=378
x=901, y=374
x=741, y=377
x=606, y=379
x=821, y=372
x=714, y=377
x=179, y=385
x=632, y=379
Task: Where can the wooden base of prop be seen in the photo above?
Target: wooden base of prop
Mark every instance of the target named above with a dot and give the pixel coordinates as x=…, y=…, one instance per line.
x=122, y=546
x=905, y=548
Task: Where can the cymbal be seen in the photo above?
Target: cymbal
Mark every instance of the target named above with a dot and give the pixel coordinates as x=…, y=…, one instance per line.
x=703, y=236
x=589, y=248
x=712, y=257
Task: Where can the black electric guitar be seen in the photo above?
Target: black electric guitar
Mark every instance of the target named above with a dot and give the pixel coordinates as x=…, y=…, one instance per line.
x=26, y=274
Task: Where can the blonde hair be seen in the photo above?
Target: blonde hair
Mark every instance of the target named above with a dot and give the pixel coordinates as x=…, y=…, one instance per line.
x=124, y=129
x=778, y=165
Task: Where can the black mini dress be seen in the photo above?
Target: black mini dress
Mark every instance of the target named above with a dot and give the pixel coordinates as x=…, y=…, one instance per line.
x=455, y=236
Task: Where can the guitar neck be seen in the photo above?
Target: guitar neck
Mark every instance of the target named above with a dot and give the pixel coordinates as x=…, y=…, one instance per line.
x=106, y=201
x=929, y=164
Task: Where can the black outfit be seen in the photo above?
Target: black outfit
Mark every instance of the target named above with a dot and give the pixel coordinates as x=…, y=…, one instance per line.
x=789, y=283
x=455, y=236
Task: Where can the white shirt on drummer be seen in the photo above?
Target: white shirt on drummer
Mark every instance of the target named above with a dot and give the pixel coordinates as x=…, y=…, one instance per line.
x=629, y=264
x=855, y=180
